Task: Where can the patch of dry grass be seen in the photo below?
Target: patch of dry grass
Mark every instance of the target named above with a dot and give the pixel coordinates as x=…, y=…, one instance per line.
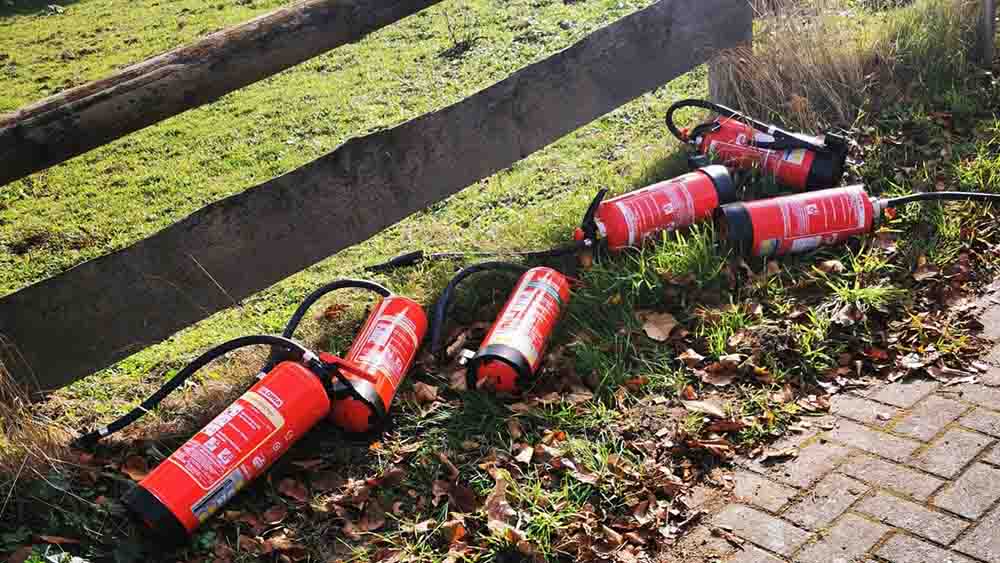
x=822, y=63
x=26, y=439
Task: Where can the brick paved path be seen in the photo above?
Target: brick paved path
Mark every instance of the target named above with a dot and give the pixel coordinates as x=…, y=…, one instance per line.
x=906, y=473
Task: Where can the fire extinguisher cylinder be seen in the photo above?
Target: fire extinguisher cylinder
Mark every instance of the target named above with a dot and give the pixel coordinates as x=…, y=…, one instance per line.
x=629, y=220
x=797, y=223
x=513, y=349
x=797, y=161
x=384, y=350
x=801, y=222
x=232, y=450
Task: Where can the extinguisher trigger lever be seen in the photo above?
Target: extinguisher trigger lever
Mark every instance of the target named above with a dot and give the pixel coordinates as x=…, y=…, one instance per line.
x=589, y=223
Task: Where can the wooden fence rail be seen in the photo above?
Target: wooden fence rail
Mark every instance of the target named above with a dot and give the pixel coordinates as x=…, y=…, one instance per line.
x=99, y=312
x=83, y=118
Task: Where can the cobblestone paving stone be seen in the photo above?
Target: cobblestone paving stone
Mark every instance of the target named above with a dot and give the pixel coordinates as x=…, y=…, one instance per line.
x=907, y=472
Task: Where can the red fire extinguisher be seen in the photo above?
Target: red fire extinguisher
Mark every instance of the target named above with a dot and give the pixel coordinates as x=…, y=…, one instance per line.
x=797, y=161
x=513, y=349
x=801, y=222
x=628, y=220
x=295, y=390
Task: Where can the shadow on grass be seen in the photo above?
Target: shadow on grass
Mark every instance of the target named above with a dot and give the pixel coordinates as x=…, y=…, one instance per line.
x=11, y=8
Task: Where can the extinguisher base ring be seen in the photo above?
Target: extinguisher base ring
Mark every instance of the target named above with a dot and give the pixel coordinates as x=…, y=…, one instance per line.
x=725, y=189
x=500, y=353
x=367, y=391
x=734, y=228
x=164, y=526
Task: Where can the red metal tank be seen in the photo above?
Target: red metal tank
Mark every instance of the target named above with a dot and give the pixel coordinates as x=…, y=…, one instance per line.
x=231, y=451
x=797, y=223
x=384, y=350
x=733, y=142
x=513, y=349
x=630, y=219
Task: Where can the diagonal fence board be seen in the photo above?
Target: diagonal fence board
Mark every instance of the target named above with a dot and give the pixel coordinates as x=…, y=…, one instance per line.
x=88, y=116
x=101, y=311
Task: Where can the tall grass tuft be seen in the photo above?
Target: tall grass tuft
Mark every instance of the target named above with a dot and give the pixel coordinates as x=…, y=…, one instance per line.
x=27, y=440
x=820, y=64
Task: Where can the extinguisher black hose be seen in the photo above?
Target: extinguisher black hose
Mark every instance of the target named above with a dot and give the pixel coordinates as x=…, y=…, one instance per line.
x=310, y=300
x=441, y=306
x=297, y=350
x=417, y=256
x=941, y=196
x=293, y=323
x=703, y=104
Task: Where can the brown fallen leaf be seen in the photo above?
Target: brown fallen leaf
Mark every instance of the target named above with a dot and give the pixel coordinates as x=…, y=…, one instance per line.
x=831, y=267
x=455, y=529
x=424, y=393
x=373, y=517
x=458, y=381
x=657, y=326
x=499, y=513
x=707, y=407
x=135, y=467
x=688, y=393
x=58, y=540
x=525, y=454
x=275, y=514
x=718, y=379
x=294, y=489
x=514, y=427
x=691, y=358
x=726, y=426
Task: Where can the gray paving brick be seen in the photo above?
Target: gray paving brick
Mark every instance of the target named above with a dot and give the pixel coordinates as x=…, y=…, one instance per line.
x=761, y=528
x=930, y=417
x=873, y=441
x=993, y=456
x=906, y=549
x=826, y=501
x=951, y=452
x=979, y=394
x=904, y=394
x=888, y=475
x=758, y=491
x=751, y=554
x=814, y=461
x=702, y=540
x=912, y=517
x=984, y=541
x=862, y=410
x=973, y=493
x=983, y=421
x=845, y=542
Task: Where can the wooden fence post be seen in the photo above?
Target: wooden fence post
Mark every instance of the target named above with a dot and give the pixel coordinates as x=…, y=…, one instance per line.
x=718, y=85
x=987, y=32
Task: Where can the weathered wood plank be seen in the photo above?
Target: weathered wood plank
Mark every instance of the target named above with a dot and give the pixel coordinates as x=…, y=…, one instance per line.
x=987, y=32
x=88, y=116
x=101, y=311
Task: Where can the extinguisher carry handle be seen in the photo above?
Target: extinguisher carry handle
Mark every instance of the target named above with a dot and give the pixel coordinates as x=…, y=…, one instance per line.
x=441, y=306
x=589, y=223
